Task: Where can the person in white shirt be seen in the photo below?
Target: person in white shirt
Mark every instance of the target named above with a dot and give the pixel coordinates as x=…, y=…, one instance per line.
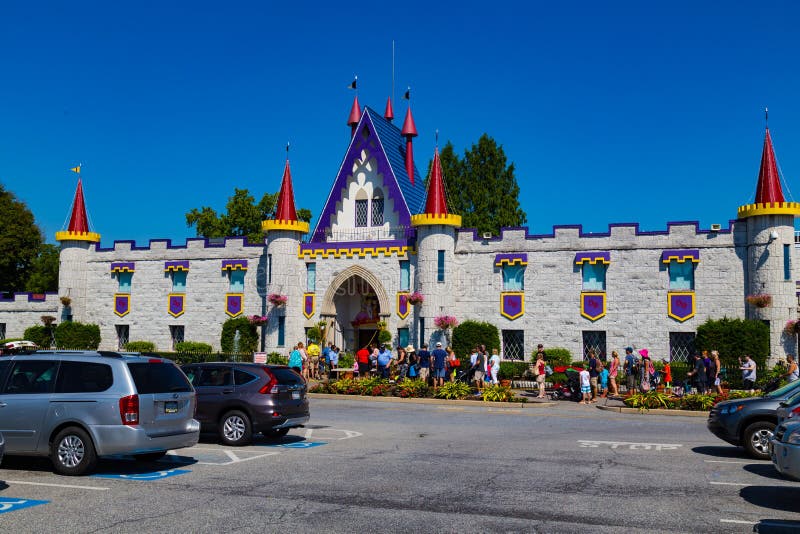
x=494, y=361
x=586, y=387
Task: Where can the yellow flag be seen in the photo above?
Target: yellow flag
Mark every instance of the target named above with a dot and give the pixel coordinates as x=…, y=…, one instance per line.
x=76, y=169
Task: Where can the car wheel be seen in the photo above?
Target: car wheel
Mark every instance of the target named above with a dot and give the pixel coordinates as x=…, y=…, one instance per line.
x=756, y=439
x=235, y=429
x=72, y=452
x=276, y=433
x=150, y=456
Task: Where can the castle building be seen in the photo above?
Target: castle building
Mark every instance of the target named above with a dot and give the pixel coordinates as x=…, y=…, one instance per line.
x=383, y=237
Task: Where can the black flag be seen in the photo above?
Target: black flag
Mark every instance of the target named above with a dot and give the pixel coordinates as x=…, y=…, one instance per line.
x=353, y=84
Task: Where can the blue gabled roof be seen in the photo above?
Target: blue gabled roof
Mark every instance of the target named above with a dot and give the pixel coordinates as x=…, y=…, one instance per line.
x=394, y=144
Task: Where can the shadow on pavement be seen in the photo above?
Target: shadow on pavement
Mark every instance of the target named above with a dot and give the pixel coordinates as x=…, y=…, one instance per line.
x=773, y=497
x=27, y=463
x=724, y=451
x=766, y=471
x=128, y=465
x=258, y=439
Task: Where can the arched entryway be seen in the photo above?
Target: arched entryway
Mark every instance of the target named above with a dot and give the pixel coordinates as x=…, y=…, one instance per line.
x=355, y=301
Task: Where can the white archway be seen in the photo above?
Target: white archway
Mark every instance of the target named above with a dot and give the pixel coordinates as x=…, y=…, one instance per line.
x=329, y=309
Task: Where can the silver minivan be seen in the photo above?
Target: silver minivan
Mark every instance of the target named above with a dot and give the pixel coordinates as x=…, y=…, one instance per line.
x=75, y=406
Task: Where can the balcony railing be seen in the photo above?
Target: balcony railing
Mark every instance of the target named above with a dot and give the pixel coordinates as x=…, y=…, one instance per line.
x=370, y=233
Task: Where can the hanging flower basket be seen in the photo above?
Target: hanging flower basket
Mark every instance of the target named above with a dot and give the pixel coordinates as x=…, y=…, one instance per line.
x=258, y=320
x=443, y=322
x=277, y=299
x=760, y=300
x=792, y=327
x=65, y=301
x=415, y=298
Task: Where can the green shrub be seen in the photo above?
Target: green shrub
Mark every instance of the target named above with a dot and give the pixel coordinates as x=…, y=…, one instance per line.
x=497, y=394
x=412, y=388
x=555, y=356
x=734, y=338
x=140, y=346
x=453, y=390
x=346, y=360
x=248, y=335
x=276, y=358
x=192, y=347
x=469, y=335
x=509, y=370
x=651, y=399
x=75, y=335
x=697, y=402
x=557, y=378
x=314, y=334
x=384, y=336
x=41, y=335
x=579, y=363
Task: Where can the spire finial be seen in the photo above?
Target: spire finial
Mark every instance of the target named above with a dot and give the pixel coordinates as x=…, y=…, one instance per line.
x=77, y=170
x=437, y=137
x=287, y=150
x=766, y=116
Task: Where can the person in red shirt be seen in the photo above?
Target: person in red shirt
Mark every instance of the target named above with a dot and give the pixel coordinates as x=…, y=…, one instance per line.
x=362, y=357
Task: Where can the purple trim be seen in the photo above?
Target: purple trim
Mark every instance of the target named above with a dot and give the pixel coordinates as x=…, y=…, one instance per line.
x=170, y=246
x=511, y=259
x=374, y=146
x=28, y=296
x=123, y=266
x=334, y=247
x=234, y=264
x=681, y=254
x=174, y=264
x=581, y=233
x=592, y=257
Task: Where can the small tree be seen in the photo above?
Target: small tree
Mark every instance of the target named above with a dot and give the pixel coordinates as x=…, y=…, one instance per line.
x=74, y=335
x=555, y=356
x=470, y=334
x=41, y=335
x=248, y=335
x=734, y=338
x=140, y=346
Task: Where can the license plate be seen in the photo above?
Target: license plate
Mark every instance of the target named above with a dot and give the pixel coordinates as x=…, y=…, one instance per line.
x=295, y=395
x=171, y=407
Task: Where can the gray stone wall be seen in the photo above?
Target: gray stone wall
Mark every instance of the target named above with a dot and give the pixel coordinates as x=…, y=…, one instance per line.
x=19, y=313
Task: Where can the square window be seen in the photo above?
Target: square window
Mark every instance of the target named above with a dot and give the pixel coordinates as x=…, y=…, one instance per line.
x=681, y=276
x=594, y=276
x=513, y=277
x=681, y=346
x=514, y=344
x=123, y=335
x=176, y=333
x=594, y=340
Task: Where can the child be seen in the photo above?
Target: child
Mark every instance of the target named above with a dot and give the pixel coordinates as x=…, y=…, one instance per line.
x=603, y=381
x=586, y=388
x=667, y=373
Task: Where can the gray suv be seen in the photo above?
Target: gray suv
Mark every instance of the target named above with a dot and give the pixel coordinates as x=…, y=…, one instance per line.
x=74, y=406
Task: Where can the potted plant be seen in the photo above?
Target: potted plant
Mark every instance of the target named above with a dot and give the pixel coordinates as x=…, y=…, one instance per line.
x=415, y=298
x=759, y=300
x=258, y=320
x=277, y=300
x=445, y=322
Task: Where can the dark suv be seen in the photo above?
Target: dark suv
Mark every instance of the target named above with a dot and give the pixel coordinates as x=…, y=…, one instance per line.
x=239, y=399
x=750, y=422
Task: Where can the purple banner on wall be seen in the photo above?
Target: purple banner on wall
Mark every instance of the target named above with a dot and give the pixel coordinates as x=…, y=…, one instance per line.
x=309, y=300
x=122, y=304
x=176, y=304
x=512, y=305
x=234, y=302
x=593, y=305
x=681, y=305
x=403, y=307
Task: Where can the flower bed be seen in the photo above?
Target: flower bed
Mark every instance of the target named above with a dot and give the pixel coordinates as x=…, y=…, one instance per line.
x=697, y=402
x=379, y=387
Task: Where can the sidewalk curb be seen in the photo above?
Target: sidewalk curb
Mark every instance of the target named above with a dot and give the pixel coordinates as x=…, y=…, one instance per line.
x=654, y=411
x=439, y=402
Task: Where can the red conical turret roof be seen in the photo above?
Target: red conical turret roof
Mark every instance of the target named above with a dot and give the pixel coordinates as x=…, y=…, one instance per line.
x=355, y=113
x=436, y=204
x=286, y=210
x=409, y=129
x=389, y=113
x=769, y=182
x=78, y=221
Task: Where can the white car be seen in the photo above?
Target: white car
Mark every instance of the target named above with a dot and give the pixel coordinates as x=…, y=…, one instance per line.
x=785, y=449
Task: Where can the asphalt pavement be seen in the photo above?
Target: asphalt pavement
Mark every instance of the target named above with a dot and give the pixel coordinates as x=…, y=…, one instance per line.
x=363, y=466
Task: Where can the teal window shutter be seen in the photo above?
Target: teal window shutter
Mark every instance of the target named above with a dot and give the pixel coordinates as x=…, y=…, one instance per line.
x=513, y=278
x=237, y=281
x=594, y=277
x=681, y=276
x=405, y=275
x=311, y=277
x=179, y=281
x=124, y=280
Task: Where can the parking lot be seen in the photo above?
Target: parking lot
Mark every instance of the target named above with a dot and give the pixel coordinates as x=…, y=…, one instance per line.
x=392, y=466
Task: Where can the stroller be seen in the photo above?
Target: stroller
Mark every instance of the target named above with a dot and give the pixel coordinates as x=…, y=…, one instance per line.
x=569, y=391
x=466, y=376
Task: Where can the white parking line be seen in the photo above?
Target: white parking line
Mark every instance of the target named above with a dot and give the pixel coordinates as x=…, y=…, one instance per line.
x=96, y=488
x=738, y=522
x=729, y=484
x=726, y=462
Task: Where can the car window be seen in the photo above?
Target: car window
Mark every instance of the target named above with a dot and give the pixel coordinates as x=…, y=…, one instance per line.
x=243, y=377
x=781, y=391
x=191, y=373
x=4, y=366
x=83, y=377
x=794, y=399
x=287, y=376
x=162, y=377
x=32, y=376
x=215, y=376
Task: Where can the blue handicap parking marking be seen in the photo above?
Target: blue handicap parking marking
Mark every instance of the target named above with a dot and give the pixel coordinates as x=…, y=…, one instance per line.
x=8, y=504
x=299, y=444
x=145, y=477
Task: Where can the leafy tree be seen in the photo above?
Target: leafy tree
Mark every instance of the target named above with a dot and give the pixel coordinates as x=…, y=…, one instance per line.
x=481, y=186
x=734, y=338
x=75, y=335
x=242, y=216
x=248, y=336
x=470, y=334
x=20, y=241
x=44, y=270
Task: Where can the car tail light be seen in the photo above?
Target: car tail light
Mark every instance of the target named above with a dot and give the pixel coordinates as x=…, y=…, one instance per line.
x=794, y=413
x=155, y=360
x=272, y=383
x=129, y=410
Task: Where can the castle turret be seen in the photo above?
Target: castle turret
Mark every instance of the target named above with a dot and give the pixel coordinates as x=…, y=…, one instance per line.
x=75, y=241
x=284, y=270
x=409, y=131
x=436, y=251
x=770, y=257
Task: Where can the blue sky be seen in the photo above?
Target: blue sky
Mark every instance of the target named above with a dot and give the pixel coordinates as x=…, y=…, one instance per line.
x=641, y=112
